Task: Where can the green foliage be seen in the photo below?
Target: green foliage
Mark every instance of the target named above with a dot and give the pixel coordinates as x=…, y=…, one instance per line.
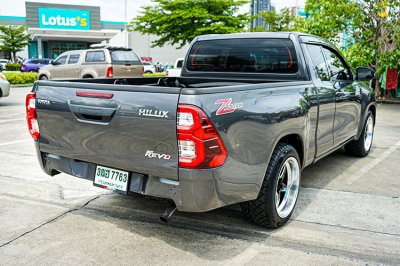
x=180, y=21
x=281, y=21
x=13, y=67
x=17, y=78
x=372, y=27
x=13, y=38
x=154, y=75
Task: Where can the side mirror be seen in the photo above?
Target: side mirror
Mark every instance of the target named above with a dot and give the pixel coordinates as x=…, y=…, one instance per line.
x=364, y=74
x=51, y=62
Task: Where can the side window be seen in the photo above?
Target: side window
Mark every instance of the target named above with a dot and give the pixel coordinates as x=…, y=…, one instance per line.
x=318, y=60
x=95, y=56
x=61, y=60
x=179, y=64
x=73, y=59
x=337, y=68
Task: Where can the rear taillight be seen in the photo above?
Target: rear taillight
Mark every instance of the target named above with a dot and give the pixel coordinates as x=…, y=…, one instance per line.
x=142, y=70
x=200, y=145
x=109, y=72
x=31, y=116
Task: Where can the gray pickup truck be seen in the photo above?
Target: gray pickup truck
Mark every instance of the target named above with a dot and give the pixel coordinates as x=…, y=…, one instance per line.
x=248, y=113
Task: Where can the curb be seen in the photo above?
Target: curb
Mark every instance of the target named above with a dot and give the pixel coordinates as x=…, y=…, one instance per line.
x=386, y=101
x=21, y=85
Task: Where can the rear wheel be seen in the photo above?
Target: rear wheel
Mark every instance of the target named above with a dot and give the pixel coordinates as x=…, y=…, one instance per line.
x=362, y=146
x=43, y=77
x=148, y=72
x=278, y=195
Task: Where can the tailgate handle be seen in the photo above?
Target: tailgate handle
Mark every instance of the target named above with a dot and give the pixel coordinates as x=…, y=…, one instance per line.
x=97, y=114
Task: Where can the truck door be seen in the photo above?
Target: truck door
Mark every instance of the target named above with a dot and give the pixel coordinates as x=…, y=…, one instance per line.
x=347, y=95
x=72, y=66
x=57, y=71
x=326, y=95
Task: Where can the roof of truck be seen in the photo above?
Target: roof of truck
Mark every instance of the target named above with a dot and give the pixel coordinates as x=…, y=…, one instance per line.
x=247, y=35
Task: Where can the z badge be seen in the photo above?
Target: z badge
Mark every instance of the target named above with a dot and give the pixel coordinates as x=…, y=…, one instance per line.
x=227, y=106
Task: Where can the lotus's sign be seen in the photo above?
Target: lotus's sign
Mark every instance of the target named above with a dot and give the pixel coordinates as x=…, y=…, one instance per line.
x=68, y=19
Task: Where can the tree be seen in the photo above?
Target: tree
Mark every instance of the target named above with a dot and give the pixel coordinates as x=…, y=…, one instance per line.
x=180, y=21
x=281, y=21
x=372, y=27
x=13, y=39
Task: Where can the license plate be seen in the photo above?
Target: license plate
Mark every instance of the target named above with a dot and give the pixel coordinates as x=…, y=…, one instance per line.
x=110, y=178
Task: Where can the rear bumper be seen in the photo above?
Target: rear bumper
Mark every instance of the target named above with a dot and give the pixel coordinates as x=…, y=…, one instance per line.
x=196, y=190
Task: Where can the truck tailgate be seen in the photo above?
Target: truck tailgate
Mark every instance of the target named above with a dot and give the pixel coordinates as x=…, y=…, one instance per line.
x=123, y=127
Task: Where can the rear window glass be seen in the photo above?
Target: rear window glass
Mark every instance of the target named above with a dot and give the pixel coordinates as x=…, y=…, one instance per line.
x=122, y=56
x=95, y=56
x=244, y=55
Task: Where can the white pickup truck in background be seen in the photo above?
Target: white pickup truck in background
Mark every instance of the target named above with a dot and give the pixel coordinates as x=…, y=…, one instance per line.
x=176, y=71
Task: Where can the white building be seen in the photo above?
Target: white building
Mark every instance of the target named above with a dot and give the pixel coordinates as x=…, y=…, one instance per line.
x=64, y=25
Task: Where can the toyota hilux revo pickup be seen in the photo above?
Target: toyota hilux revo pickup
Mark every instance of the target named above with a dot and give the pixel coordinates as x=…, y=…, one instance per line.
x=248, y=113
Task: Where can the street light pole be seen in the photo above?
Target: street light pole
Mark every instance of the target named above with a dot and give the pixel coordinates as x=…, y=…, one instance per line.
x=126, y=27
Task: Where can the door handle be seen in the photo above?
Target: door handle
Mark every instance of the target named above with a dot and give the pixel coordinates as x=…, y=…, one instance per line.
x=90, y=113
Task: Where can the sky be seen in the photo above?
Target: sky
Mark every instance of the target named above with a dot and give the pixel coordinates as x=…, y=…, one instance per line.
x=279, y=4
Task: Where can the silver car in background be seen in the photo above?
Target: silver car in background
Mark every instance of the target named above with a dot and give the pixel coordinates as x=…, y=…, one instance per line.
x=4, y=86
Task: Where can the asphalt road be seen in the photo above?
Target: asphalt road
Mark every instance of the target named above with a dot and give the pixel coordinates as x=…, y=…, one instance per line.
x=348, y=213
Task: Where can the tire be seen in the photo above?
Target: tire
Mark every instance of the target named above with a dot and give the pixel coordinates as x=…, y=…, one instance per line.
x=87, y=77
x=362, y=146
x=148, y=72
x=264, y=211
x=44, y=77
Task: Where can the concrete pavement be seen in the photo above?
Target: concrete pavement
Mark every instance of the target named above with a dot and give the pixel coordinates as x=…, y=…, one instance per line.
x=342, y=217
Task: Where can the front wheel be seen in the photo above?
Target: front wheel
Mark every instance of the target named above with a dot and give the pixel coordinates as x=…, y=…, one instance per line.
x=362, y=146
x=43, y=77
x=279, y=191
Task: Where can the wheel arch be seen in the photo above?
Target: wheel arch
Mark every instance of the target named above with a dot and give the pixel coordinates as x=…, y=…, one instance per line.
x=87, y=75
x=372, y=108
x=44, y=74
x=297, y=142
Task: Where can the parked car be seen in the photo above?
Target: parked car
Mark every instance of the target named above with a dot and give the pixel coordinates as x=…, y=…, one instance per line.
x=149, y=68
x=177, y=69
x=248, y=113
x=4, y=86
x=106, y=62
x=3, y=63
x=34, y=64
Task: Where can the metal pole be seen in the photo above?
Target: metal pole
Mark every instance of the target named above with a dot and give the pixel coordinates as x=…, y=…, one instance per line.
x=126, y=27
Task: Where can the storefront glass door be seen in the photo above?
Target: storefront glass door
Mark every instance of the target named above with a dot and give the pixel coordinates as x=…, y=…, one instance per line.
x=57, y=48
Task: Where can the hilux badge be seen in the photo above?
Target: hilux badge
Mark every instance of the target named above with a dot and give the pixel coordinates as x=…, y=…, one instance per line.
x=153, y=113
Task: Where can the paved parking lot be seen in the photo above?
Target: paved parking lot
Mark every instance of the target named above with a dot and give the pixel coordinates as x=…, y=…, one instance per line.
x=348, y=213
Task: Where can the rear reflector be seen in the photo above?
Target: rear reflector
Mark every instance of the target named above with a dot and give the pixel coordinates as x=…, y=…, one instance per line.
x=94, y=94
x=200, y=145
x=31, y=116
